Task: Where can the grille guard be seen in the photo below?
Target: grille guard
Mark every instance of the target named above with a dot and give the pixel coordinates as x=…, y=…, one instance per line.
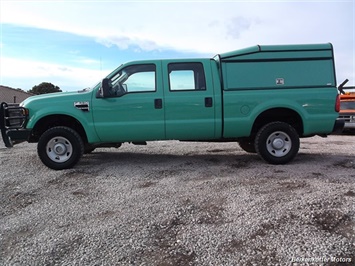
x=12, y=122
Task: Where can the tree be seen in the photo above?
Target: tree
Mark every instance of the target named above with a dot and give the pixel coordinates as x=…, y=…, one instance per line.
x=44, y=87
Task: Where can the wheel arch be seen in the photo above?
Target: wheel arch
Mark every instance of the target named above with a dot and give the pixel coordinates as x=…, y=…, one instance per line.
x=50, y=121
x=281, y=114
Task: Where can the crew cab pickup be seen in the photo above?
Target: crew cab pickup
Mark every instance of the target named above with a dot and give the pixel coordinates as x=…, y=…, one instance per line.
x=264, y=97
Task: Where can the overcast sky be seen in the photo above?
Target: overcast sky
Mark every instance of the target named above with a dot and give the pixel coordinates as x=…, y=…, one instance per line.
x=73, y=44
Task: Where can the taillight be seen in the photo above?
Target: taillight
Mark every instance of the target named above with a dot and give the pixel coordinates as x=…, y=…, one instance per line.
x=337, y=103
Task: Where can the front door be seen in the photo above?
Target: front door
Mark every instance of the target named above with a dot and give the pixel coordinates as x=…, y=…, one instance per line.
x=133, y=111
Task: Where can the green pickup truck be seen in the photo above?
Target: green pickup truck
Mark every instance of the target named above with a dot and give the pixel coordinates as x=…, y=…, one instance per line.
x=264, y=97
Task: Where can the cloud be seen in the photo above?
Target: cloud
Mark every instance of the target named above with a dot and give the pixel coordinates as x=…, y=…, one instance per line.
x=237, y=25
x=185, y=26
x=87, y=61
x=146, y=25
x=29, y=73
x=125, y=42
x=198, y=27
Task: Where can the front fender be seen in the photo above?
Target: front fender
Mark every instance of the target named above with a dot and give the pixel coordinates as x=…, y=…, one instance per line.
x=83, y=117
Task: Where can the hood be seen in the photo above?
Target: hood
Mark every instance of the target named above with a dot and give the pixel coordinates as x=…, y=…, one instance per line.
x=51, y=98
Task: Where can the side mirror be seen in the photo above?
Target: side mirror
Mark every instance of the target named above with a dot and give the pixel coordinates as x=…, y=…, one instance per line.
x=107, y=91
x=105, y=88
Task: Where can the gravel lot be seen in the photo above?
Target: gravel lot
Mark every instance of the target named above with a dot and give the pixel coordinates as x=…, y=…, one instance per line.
x=172, y=203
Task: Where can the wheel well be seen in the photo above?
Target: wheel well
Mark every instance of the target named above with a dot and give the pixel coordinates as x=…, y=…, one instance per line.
x=57, y=120
x=278, y=114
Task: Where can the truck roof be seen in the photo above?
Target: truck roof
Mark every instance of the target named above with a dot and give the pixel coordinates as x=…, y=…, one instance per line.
x=280, y=51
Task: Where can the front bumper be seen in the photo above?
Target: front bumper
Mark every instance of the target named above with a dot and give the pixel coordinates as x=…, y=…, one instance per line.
x=349, y=120
x=349, y=125
x=12, y=124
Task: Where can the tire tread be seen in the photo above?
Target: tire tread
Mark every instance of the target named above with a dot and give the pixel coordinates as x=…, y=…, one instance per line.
x=77, y=143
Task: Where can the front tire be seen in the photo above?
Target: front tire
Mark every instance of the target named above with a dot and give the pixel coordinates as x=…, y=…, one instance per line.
x=277, y=143
x=60, y=148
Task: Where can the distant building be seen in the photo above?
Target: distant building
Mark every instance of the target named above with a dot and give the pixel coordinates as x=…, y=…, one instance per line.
x=11, y=95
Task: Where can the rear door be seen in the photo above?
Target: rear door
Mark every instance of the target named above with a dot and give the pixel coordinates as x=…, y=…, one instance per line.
x=189, y=102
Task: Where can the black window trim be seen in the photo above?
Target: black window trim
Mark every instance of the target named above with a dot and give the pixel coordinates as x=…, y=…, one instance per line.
x=155, y=75
x=187, y=63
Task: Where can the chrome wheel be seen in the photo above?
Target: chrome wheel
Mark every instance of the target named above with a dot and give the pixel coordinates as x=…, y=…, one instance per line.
x=278, y=144
x=59, y=149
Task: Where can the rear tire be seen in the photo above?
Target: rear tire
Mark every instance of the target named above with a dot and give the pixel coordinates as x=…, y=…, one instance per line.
x=60, y=148
x=277, y=143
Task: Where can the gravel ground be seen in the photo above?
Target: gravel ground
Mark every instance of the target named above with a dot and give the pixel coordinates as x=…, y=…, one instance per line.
x=172, y=203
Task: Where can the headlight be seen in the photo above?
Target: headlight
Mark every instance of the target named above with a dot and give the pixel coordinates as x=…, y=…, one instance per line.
x=25, y=112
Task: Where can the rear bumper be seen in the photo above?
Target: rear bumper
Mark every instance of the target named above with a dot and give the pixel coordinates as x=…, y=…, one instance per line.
x=12, y=120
